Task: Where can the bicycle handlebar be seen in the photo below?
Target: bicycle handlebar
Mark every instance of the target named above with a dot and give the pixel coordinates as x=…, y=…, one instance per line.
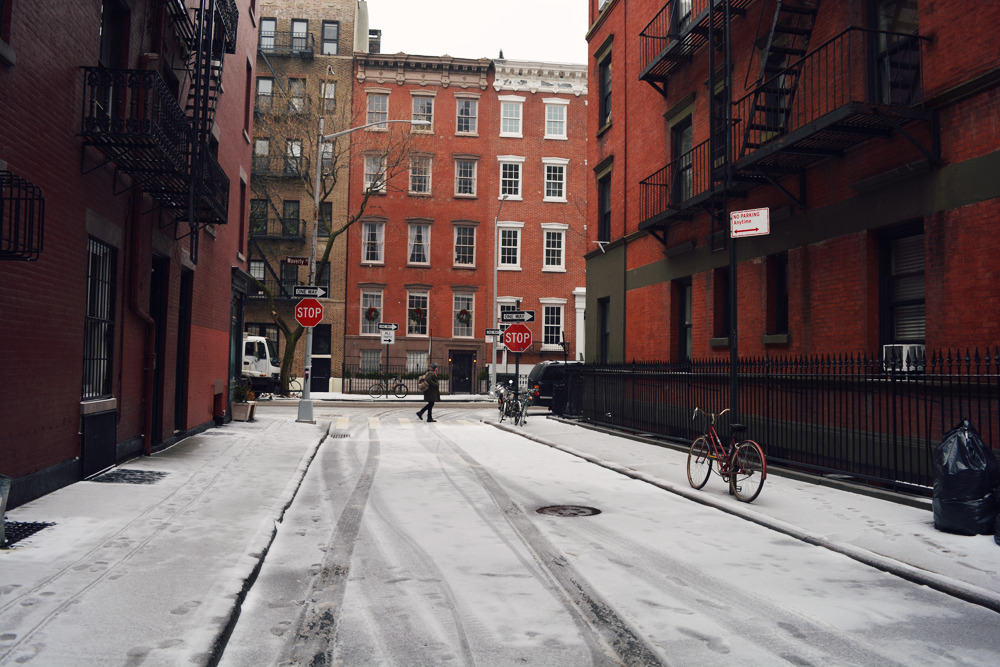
x=713, y=415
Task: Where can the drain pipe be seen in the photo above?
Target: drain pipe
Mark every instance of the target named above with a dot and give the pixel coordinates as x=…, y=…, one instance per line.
x=135, y=305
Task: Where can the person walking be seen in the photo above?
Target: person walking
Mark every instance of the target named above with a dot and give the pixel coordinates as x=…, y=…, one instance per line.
x=429, y=384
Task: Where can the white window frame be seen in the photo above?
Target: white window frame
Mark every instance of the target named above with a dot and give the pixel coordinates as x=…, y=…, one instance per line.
x=554, y=229
x=511, y=116
x=377, y=110
x=417, y=299
x=265, y=88
x=293, y=155
x=268, y=30
x=455, y=261
x=423, y=115
x=556, y=163
x=328, y=95
x=416, y=162
x=374, y=173
x=513, y=230
x=458, y=176
x=463, y=301
x=511, y=161
x=371, y=298
x=504, y=304
x=423, y=231
x=558, y=306
x=372, y=242
x=473, y=131
x=555, y=107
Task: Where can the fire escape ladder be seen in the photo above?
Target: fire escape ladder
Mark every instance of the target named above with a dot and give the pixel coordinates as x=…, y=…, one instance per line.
x=780, y=67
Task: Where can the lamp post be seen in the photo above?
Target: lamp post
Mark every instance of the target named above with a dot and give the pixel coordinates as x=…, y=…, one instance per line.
x=305, y=404
x=496, y=323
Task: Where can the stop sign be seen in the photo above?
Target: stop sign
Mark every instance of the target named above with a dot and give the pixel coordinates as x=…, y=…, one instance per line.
x=517, y=337
x=308, y=312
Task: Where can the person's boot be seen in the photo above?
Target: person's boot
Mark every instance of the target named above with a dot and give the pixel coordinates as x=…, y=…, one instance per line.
x=420, y=415
x=430, y=417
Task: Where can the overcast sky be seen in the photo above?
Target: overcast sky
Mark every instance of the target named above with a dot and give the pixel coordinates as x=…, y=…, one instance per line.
x=546, y=30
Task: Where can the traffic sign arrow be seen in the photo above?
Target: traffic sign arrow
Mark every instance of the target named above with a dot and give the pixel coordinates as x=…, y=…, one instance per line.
x=300, y=291
x=517, y=316
x=388, y=326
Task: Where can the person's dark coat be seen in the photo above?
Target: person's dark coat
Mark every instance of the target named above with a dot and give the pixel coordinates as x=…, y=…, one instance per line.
x=431, y=393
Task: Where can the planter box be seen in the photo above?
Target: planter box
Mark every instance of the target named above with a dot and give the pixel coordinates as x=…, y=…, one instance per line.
x=243, y=412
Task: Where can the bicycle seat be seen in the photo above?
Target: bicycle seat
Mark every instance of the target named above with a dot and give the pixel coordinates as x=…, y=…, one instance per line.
x=738, y=429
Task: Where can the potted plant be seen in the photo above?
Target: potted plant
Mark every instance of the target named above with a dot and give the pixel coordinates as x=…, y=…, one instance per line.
x=244, y=403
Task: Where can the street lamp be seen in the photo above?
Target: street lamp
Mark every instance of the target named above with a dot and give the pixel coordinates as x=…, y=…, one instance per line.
x=496, y=324
x=306, y=404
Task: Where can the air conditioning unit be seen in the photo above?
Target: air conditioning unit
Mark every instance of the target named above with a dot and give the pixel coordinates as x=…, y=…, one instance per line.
x=903, y=358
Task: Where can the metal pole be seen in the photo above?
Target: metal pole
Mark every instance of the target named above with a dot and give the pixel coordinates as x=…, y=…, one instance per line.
x=306, y=404
x=496, y=315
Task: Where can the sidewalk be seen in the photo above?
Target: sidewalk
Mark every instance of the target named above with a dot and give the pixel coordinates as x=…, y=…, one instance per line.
x=157, y=571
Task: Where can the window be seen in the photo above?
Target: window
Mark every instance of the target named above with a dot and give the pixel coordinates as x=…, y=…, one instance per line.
x=99, y=322
x=420, y=174
x=555, y=119
x=465, y=177
x=416, y=313
x=300, y=28
x=378, y=109
x=265, y=90
x=777, y=293
x=604, y=209
x=418, y=248
x=372, y=235
x=604, y=88
x=371, y=311
x=681, y=144
x=374, y=173
x=328, y=95
x=463, y=316
x=555, y=178
x=268, y=28
x=510, y=246
x=325, y=217
x=371, y=360
x=326, y=156
x=555, y=247
x=510, y=115
x=467, y=120
x=323, y=280
x=331, y=38
x=504, y=306
x=261, y=155
x=256, y=269
x=510, y=176
x=721, y=304
x=296, y=95
x=552, y=325
x=258, y=216
x=680, y=16
x=416, y=361
x=903, y=288
x=682, y=292
x=289, y=278
x=465, y=245
x=290, y=217
x=423, y=109
x=293, y=156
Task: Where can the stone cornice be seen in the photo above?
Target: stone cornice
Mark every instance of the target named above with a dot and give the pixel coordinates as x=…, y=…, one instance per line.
x=437, y=71
x=535, y=77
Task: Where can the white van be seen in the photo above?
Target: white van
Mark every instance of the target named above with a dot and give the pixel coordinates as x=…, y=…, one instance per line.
x=261, y=365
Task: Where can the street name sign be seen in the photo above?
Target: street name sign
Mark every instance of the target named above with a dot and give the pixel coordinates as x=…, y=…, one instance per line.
x=517, y=338
x=517, y=316
x=388, y=326
x=749, y=222
x=308, y=312
x=300, y=291
x=494, y=332
x=297, y=261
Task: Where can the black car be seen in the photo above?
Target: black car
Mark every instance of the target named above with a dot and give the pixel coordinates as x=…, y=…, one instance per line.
x=544, y=377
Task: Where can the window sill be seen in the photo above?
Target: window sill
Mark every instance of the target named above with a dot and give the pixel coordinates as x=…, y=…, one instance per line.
x=510, y=198
x=462, y=196
x=508, y=268
x=555, y=138
x=466, y=134
x=604, y=129
x=718, y=342
x=372, y=264
x=556, y=200
x=464, y=267
x=553, y=269
x=551, y=348
x=7, y=55
x=511, y=135
x=418, y=265
x=775, y=339
x=419, y=194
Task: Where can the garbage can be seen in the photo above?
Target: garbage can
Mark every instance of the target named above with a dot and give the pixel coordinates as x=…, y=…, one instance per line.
x=4, y=492
x=559, y=393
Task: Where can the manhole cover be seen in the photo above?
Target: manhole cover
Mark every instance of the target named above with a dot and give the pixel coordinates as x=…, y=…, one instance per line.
x=126, y=476
x=568, y=510
x=15, y=531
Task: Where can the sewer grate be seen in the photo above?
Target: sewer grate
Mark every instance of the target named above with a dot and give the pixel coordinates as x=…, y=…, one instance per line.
x=568, y=510
x=340, y=435
x=126, y=476
x=15, y=531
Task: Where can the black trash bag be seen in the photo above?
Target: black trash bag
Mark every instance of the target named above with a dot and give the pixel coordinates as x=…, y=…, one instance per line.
x=966, y=477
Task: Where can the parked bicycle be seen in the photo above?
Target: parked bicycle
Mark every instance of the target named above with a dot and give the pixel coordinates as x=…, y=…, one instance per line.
x=510, y=406
x=382, y=387
x=742, y=464
x=294, y=385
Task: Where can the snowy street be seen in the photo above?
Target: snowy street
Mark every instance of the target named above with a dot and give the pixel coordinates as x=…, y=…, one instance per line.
x=373, y=538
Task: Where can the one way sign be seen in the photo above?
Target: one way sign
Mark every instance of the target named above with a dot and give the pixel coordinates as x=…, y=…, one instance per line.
x=517, y=316
x=300, y=291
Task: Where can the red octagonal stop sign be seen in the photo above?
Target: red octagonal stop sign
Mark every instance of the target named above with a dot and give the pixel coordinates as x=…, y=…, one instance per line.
x=517, y=337
x=308, y=312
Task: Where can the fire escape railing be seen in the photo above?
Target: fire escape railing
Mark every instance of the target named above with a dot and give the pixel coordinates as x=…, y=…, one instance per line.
x=284, y=229
x=286, y=43
x=671, y=188
x=22, y=218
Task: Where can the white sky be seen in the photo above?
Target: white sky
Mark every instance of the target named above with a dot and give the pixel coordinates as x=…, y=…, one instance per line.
x=545, y=30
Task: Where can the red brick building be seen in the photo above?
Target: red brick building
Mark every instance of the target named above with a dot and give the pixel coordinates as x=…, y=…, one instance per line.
x=506, y=144
x=124, y=156
x=866, y=128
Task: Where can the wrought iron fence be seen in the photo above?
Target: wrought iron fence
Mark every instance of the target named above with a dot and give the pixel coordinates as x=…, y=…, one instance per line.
x=854, y=414
x=358, y=378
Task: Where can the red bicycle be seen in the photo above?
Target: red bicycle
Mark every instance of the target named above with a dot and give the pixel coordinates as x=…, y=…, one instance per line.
x=742, y=464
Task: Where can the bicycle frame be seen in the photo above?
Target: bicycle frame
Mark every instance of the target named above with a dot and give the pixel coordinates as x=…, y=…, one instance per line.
x=742, y=464
x=720, y=452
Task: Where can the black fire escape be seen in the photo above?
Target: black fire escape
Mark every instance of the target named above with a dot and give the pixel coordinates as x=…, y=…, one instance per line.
x=808, y=103
x=135, y=120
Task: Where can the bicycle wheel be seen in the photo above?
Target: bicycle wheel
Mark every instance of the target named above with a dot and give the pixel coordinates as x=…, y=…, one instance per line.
x=699, y=462
x=749, y=469
x=400, y=390
x=376, y=390
x=502, y=410
x=522, y=414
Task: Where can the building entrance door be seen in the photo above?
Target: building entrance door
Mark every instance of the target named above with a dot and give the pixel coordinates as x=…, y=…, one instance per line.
x=462, y=364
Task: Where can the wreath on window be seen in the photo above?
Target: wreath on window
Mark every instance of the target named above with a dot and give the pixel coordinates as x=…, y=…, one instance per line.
x=416, y=314
x=372, y=314
x=464, y=317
